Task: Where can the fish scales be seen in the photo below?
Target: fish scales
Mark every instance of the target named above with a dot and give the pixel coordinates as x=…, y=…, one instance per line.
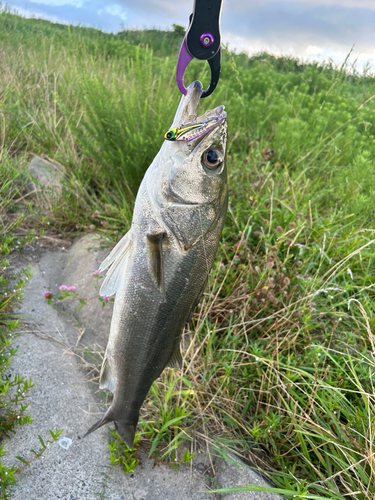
x=159, y=269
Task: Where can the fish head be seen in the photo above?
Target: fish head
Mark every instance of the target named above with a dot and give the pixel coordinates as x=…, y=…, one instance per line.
x=191, y=171
x=187, y=183
x=197, y=174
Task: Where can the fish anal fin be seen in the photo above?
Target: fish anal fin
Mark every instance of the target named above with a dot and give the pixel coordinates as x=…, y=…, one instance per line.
x=107, y=380
x=155, y=254
x=176, y=358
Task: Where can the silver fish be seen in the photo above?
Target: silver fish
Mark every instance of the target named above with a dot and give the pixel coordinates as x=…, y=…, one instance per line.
x=160, y=268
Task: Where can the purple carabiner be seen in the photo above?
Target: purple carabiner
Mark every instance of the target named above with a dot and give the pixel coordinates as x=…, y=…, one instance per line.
x=202, y=42
x=184, y=58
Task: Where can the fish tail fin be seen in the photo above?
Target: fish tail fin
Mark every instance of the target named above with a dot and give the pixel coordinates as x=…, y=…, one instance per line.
x=106, y=419
x=126, y=432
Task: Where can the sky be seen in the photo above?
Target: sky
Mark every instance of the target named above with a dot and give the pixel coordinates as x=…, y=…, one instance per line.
x=318, y=30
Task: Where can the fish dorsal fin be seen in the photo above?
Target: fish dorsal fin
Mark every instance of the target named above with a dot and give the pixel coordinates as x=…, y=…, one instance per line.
x=155, y=255
x=176, y=358
x=107, y=380
x=118, y=260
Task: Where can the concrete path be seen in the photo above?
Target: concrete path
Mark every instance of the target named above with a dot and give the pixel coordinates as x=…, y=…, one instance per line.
x=62, y=398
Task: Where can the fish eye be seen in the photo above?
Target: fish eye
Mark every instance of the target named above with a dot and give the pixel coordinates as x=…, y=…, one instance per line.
x=212, y=158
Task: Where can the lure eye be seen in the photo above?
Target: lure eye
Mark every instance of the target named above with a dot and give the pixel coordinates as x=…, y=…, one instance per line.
x=170, y=135
x=212, y=159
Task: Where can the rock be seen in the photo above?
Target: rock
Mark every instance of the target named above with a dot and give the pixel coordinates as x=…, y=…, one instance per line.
x=83, y=258
x=48, y=176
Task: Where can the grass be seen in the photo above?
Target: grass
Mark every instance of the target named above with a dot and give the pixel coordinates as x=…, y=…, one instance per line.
x=13, y=388
x=279, y=360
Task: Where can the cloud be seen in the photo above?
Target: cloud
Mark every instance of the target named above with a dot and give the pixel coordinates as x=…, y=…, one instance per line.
x=310, y=29
x=76, y=3
x=115, y=10
x=313, y=50
x=101, y=14
x=293, y=21
x=245, y=5
x=306, y=53
x=36, y=13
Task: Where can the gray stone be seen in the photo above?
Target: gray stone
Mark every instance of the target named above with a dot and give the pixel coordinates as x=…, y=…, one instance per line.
x=83, y=258
x=48, y=176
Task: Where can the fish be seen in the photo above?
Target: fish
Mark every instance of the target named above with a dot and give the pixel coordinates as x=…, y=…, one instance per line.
x=159, y=270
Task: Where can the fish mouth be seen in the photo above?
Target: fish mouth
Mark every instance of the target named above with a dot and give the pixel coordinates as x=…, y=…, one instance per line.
x=188, y=104
x=217, y=113
x=187, y=111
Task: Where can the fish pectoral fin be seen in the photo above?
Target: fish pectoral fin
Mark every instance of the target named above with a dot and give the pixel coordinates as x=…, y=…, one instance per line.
x=107, y=380
x=155, y=254
x=176, y=358
x=118, y=260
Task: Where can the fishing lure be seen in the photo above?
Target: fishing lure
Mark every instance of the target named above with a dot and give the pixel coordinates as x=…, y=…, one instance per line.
x=191, y=132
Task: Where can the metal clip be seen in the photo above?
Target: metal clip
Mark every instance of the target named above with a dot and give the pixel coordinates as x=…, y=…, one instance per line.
x=202, y=41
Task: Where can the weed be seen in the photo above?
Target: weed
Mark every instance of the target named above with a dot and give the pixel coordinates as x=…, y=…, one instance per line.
x=44, y=445
x=13, y=388
x=120, y=454
x=104, y=484
x=172, y=396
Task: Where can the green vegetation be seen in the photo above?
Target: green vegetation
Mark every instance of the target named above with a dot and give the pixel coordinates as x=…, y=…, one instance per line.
x=279, y=362
x=13, y=388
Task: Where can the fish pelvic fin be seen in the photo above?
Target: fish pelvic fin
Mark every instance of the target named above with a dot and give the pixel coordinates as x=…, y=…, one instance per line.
x=116, y=252
x=155, y=253
x=117, y=262
x=176, y=358
x=106, y=419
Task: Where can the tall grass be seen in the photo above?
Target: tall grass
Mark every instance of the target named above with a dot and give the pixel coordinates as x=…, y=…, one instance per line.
x=118, y=116
x=280, y=357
